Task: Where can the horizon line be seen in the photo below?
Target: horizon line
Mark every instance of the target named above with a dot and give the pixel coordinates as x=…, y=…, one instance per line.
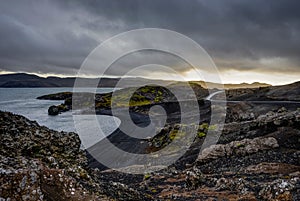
x=47, y=75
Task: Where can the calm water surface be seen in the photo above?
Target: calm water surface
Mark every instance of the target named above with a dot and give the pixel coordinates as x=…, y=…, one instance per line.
x=23, y=101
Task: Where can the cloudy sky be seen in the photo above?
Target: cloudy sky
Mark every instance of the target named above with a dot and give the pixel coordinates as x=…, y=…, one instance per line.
x=249, y=40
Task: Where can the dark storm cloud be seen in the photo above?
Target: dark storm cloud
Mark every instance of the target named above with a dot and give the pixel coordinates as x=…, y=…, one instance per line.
x=56, y=36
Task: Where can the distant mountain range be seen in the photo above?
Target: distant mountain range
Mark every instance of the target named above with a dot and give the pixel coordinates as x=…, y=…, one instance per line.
x=22, y=80
x=232, y=86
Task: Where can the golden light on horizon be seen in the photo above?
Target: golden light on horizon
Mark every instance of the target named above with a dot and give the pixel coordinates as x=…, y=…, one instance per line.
x=226, y=77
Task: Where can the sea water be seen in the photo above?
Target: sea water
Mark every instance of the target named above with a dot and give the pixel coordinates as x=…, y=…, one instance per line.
x=23, y=101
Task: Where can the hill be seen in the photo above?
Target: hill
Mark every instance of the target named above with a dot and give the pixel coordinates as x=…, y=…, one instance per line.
x=19, y=80
x=290, y=92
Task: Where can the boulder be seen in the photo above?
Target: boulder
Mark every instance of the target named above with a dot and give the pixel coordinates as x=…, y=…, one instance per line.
x=53, y=110
x=243, y=147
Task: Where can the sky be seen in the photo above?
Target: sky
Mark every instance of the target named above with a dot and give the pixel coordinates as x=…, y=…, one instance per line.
x=249, y=40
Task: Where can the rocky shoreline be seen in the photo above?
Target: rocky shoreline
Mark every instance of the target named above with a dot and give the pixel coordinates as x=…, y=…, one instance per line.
x=262, y=166
x=41, y=164
x=256, y=158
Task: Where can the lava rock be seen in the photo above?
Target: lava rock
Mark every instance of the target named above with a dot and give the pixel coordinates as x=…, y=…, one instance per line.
x=53, y=110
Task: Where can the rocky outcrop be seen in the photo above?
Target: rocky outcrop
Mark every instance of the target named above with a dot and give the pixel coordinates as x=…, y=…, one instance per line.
x=55, y=110
x=262, y=125
x=290, y=92
x=240, y=112
x=243, y=147
x=37, y=163
x=20, y=136
x=138, y=99
x=232, y=186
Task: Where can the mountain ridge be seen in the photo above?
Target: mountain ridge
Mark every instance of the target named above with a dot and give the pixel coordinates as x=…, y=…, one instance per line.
x=22, y=80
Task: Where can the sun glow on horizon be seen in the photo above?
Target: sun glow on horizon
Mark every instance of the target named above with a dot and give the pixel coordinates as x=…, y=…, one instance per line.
x=227, y=77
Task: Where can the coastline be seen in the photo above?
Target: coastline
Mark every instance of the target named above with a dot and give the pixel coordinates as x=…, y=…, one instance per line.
x=256, y=158
x=247, y=174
